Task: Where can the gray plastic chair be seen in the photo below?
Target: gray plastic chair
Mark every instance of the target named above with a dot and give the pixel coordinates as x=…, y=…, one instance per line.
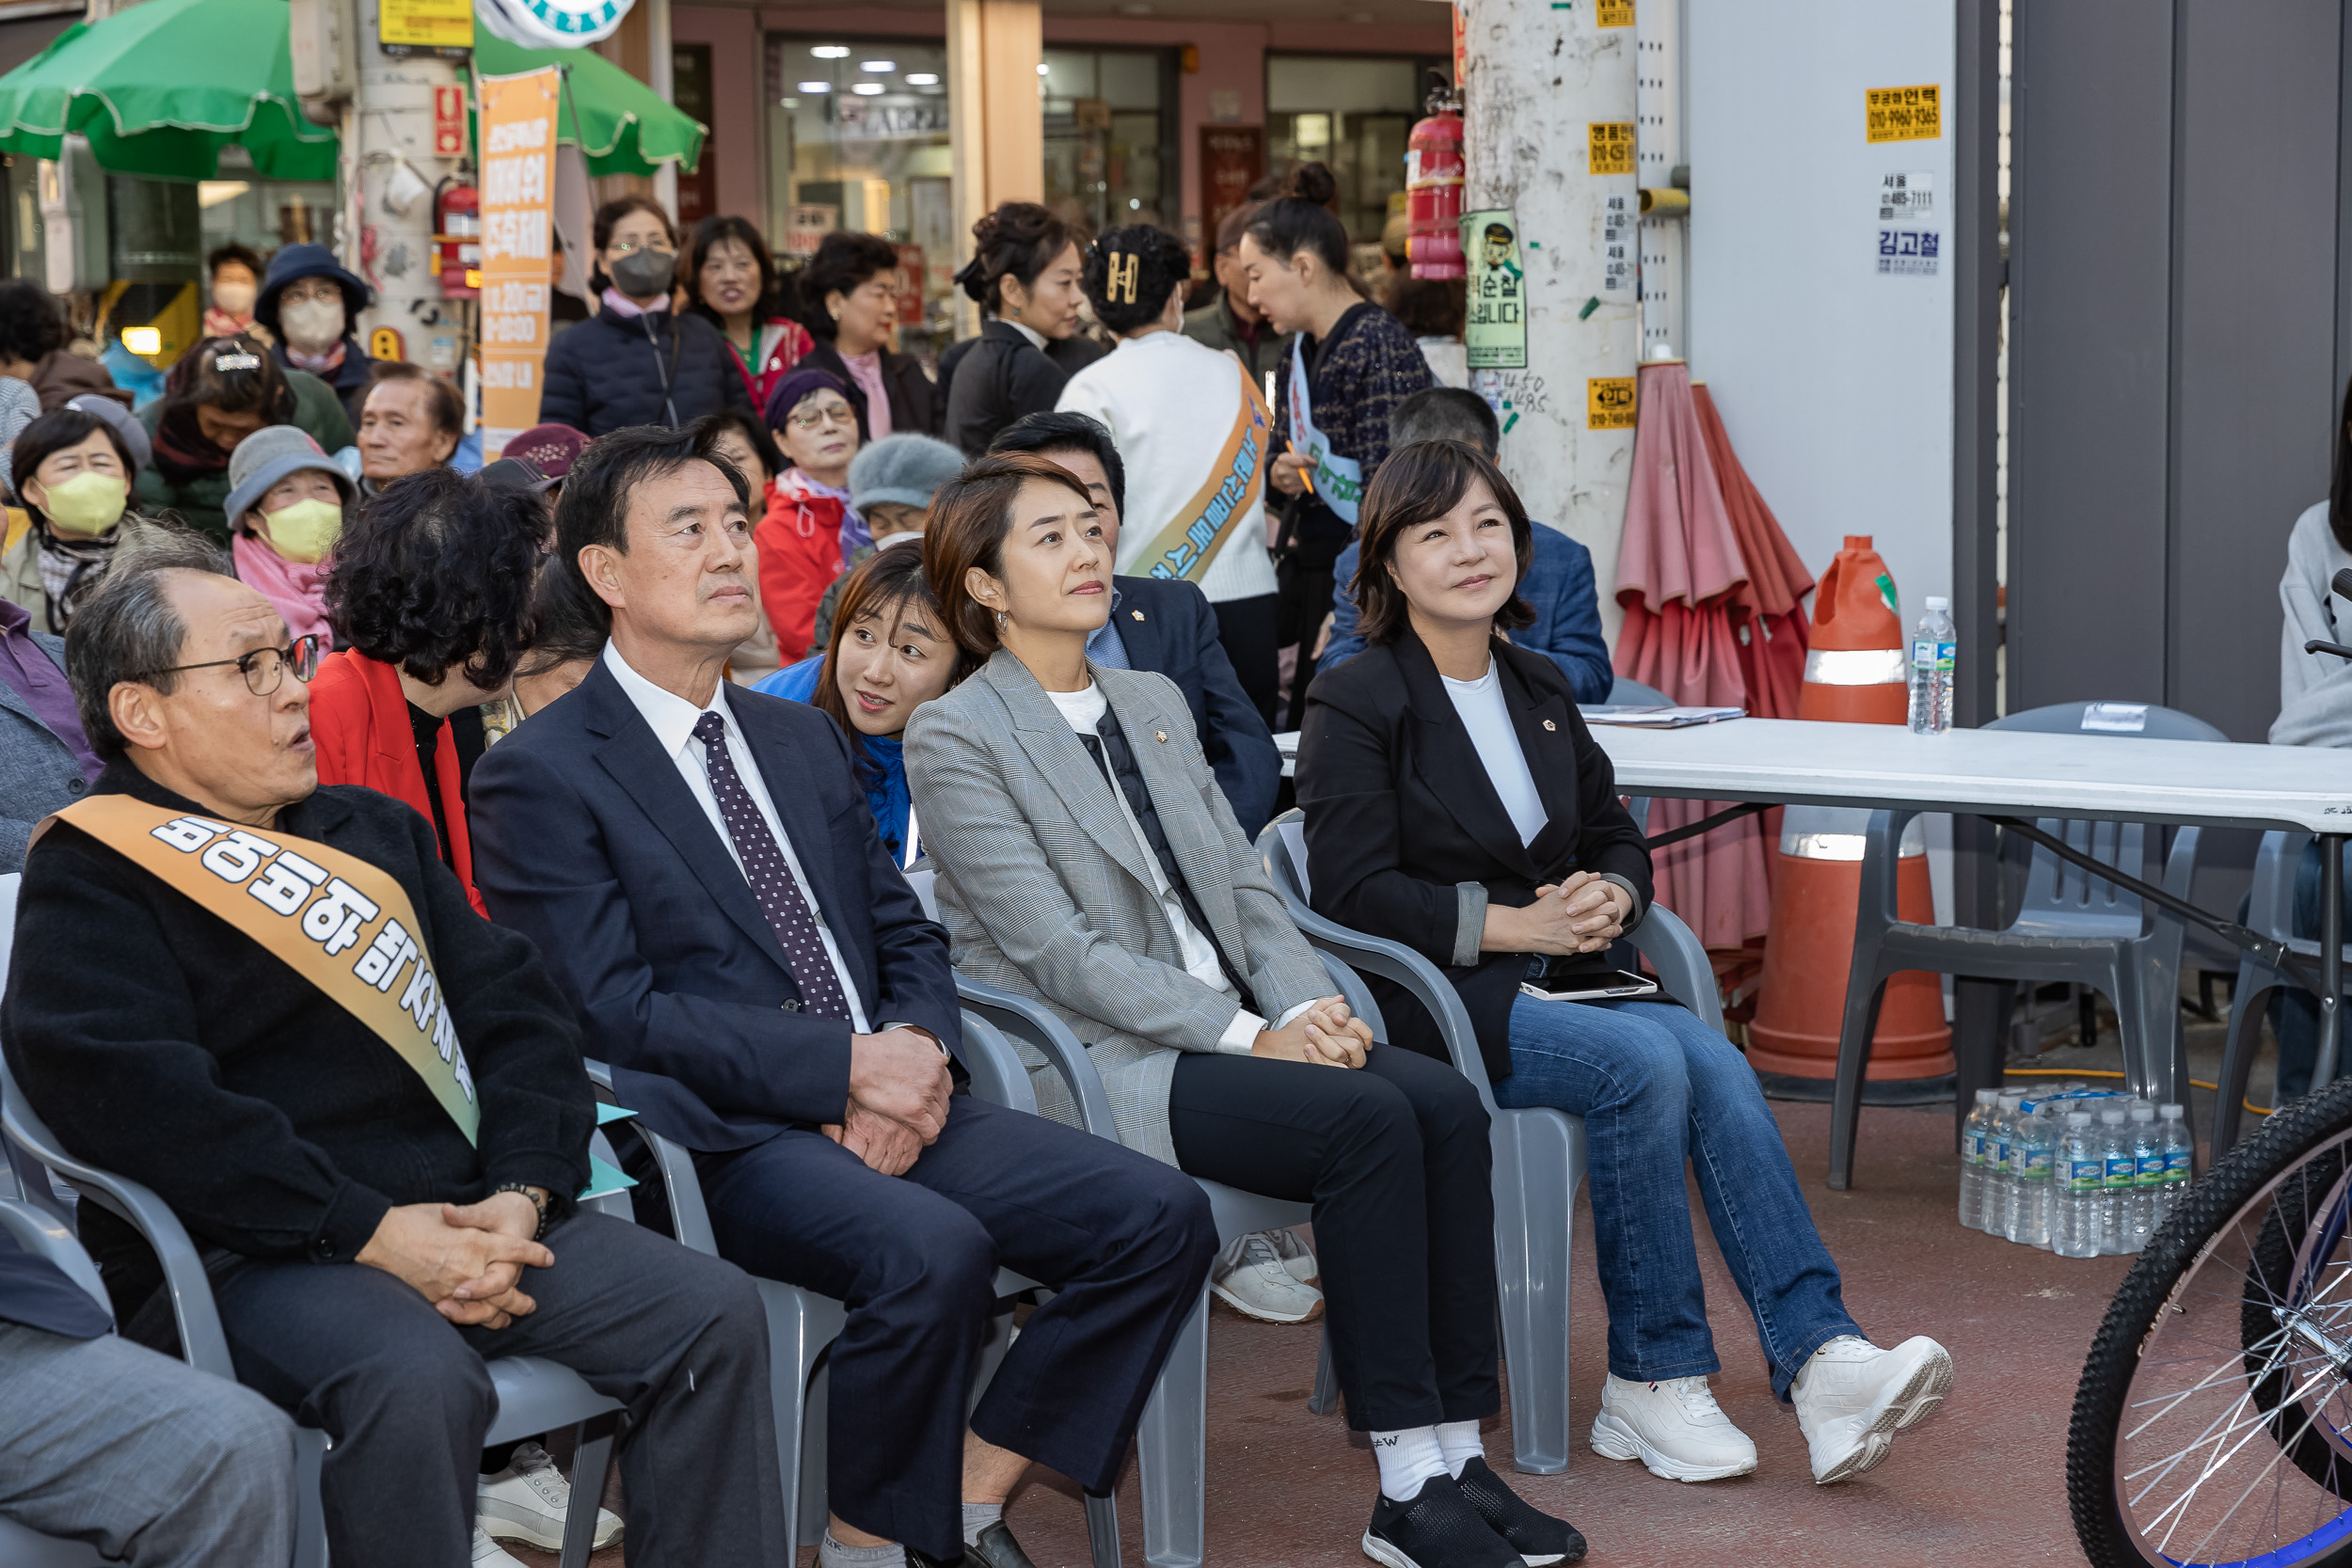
x=2270, y=912
x=2072, y=926
x=533, y=1395
x=1538, y=1153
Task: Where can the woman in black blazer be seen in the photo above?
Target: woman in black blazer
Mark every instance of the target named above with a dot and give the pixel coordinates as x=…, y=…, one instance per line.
x=1024, y=272
x=1456, y=802
x=850, y=287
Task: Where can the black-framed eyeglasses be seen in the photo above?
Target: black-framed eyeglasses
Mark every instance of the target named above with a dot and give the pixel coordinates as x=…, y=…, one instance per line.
x=263, y=669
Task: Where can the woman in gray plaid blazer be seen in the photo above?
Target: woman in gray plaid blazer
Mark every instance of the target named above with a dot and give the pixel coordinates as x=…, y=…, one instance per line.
x=1087, y=858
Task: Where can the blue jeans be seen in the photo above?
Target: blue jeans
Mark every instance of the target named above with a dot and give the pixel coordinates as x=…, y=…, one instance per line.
x=1656, y=1087
x=2293, y=1011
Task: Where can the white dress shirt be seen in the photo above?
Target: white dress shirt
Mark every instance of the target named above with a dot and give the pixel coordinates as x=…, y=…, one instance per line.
x=671, y=719
x=1083, y=711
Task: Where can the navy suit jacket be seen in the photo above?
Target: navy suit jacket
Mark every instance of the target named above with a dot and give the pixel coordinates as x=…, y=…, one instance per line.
x=1169, y=628
x=587, y=840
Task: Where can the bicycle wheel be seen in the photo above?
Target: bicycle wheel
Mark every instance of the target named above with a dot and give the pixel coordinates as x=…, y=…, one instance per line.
x=2209, y=1425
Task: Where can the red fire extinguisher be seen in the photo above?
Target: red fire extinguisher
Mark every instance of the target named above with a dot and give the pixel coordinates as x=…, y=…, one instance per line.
x=1433, y=186
x=457, y=239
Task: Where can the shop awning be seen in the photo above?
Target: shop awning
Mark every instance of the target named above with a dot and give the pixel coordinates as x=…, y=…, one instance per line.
x=623, y=128
x=161, y=87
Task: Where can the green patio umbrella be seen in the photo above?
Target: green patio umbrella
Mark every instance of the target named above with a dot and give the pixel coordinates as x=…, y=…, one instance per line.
x=623, y=127
x=161, y=87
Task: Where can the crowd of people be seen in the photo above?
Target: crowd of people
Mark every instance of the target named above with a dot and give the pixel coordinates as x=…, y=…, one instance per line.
x=657, y=741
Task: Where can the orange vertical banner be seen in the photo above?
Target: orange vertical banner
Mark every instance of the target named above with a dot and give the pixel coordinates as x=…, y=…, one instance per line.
x=518, y=159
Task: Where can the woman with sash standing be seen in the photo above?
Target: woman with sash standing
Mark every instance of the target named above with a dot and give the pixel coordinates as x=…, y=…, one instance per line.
x=1350, y=363
x=1192, y=432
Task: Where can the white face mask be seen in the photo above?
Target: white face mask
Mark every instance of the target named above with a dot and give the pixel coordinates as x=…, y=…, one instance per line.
x=235, y=298
x=312, y=325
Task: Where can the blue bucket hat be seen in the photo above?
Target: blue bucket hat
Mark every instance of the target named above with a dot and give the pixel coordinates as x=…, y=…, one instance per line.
x=295, y=262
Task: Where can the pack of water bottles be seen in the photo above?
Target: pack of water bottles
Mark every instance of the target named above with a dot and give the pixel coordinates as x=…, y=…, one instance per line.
x=2080, y=1171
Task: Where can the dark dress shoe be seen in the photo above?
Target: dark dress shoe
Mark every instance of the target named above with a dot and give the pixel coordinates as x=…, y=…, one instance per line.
x=996, y=1550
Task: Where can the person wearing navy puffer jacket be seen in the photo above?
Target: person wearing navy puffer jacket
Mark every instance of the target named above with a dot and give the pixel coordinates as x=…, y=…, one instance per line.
x=637, y=361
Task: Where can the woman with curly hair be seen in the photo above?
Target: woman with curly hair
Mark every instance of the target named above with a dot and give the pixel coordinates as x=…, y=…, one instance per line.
x=430, y=599
x=1024, y=274
x=851, y=288
x=1192, y=434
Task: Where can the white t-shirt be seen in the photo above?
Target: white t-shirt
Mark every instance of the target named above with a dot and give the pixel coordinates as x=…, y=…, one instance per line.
x=1170, y=403
x=1480, y=704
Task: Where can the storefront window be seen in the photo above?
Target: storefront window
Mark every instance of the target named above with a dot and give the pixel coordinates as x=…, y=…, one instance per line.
x=1353, y=113
x=1109, y=140
x=238, y=204
x=857, y=138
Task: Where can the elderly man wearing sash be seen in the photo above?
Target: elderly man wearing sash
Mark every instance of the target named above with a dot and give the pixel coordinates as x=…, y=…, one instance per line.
x=272, y=1003
x=1194, y=431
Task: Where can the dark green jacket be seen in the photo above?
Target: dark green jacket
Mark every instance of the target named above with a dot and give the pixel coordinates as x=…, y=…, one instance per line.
x=199, y=500
x=1213, y=324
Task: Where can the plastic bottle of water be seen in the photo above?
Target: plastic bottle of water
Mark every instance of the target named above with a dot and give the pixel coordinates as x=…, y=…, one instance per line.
x=1934, y=659
x=2147, y=1175
x=2115, y=1148
x=2179, y=1157
x=2081, y=1180
x=2031, y=1148
x=1973, y=1147
x=2000, y=1190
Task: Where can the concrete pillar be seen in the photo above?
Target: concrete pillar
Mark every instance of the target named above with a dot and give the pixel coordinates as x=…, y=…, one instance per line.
x=392, y=125
x=661, y=75
x=1539, y=79
x=997, y=122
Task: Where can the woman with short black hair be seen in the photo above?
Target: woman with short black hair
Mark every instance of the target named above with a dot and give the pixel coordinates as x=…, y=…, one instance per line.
x=1024, y=271
x=731, y=283
x=850, y=292
x=430, y=599
x=219, y=392
x=637, y=361
x=73, y=471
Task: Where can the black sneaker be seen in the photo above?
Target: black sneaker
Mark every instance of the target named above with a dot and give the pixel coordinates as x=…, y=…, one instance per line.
x=1437, y=1529
x=1537, y=1536
x=996, y=1550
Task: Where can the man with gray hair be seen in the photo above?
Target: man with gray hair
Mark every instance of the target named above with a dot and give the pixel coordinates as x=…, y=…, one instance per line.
x=1559, y=582
x=273, y=1004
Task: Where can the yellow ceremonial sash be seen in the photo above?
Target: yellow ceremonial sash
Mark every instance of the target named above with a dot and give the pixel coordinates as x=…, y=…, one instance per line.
x=332, y=918
x=1190, y=541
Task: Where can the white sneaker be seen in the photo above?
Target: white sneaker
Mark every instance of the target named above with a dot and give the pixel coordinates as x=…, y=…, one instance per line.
x=1674, y=1428
x=1853, y=1397
x=528, y=1499
x=1250, y=1278
x=1298, y=1256
x=489, y=1554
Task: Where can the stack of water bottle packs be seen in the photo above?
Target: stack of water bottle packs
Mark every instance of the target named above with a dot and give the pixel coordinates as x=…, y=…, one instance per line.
x=2080, y=1171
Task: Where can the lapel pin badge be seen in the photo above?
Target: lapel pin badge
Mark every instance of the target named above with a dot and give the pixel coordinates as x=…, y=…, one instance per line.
x=1137, y=613
x=1549, y=725
x=1160, y=735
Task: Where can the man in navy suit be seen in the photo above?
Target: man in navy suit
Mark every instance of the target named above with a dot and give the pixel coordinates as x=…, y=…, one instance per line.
x=1163, y=624
x=701, y=869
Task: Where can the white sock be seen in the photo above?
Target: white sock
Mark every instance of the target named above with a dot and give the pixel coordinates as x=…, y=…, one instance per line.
x=1460, y=1444
x=1407, y=1460
x=832, y=1554
x=977, y=1517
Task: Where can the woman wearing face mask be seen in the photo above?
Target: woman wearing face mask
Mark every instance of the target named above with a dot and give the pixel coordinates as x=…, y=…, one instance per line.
x=810, y=525
x=732, y=283
x=889, y=655
x=307, y=306
x=1024, y=272
x=235, y=272
x=1350, y=364
x=220, y=392
x=73, y=471
x=287, y=510
x=637, y=361
x=851, y=288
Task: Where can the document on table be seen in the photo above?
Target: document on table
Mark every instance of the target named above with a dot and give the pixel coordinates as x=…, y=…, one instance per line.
x=1653, y=718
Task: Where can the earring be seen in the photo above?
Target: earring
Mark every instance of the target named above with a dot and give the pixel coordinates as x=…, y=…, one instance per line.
x=836, y=312
x=1016, y=312
x=1000, y=620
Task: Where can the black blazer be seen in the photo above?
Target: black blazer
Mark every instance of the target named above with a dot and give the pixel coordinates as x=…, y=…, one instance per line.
x=999, y=378
x=1400, y=818
x=586, y=838
x=913, y=401
x=1169, y=628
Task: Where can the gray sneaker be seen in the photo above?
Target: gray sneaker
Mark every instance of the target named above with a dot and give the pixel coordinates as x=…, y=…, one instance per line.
x=1298, y=1256
x=1250, y=1278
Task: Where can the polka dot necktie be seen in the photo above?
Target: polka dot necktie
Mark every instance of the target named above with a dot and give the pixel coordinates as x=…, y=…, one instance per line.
x=771, y=876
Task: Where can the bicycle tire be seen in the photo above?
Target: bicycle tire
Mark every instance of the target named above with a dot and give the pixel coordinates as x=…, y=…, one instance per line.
x=2204, y=1210
x=2313, y=1449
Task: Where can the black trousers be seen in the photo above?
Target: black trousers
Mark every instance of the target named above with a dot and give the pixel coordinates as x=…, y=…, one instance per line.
x=678, y=1338
x=1304, y=600
x=1396, y=1158
x=1124, y=1242
x=1244, y=629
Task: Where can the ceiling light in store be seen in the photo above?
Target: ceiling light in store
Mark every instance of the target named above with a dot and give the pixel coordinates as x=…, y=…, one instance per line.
x=921, y=79
x=867, y=90
x=1043, y=68
x=878, y=67
x=789, y=102
x=831, y=51
x=817, y=87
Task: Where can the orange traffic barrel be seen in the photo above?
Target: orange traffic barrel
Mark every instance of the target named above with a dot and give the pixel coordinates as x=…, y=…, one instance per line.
x=1854, y=673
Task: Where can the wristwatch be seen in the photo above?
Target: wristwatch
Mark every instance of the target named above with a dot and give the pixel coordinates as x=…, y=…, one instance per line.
x=529, y=1190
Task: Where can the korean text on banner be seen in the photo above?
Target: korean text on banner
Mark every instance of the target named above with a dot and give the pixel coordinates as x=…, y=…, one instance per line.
x=518, y=159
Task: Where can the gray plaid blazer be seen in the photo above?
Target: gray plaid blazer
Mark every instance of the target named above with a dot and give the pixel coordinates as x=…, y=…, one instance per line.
x=1045, y=890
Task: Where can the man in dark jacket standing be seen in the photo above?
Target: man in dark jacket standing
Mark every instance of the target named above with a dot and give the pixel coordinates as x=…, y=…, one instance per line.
x=309, y=304
x=271, y=1003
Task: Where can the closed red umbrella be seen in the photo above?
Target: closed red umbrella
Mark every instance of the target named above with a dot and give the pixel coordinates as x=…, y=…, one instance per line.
x=1768, y=609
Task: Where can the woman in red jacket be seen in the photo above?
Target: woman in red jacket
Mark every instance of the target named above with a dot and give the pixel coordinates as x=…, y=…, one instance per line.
x=810, y=527
x=429, y=597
